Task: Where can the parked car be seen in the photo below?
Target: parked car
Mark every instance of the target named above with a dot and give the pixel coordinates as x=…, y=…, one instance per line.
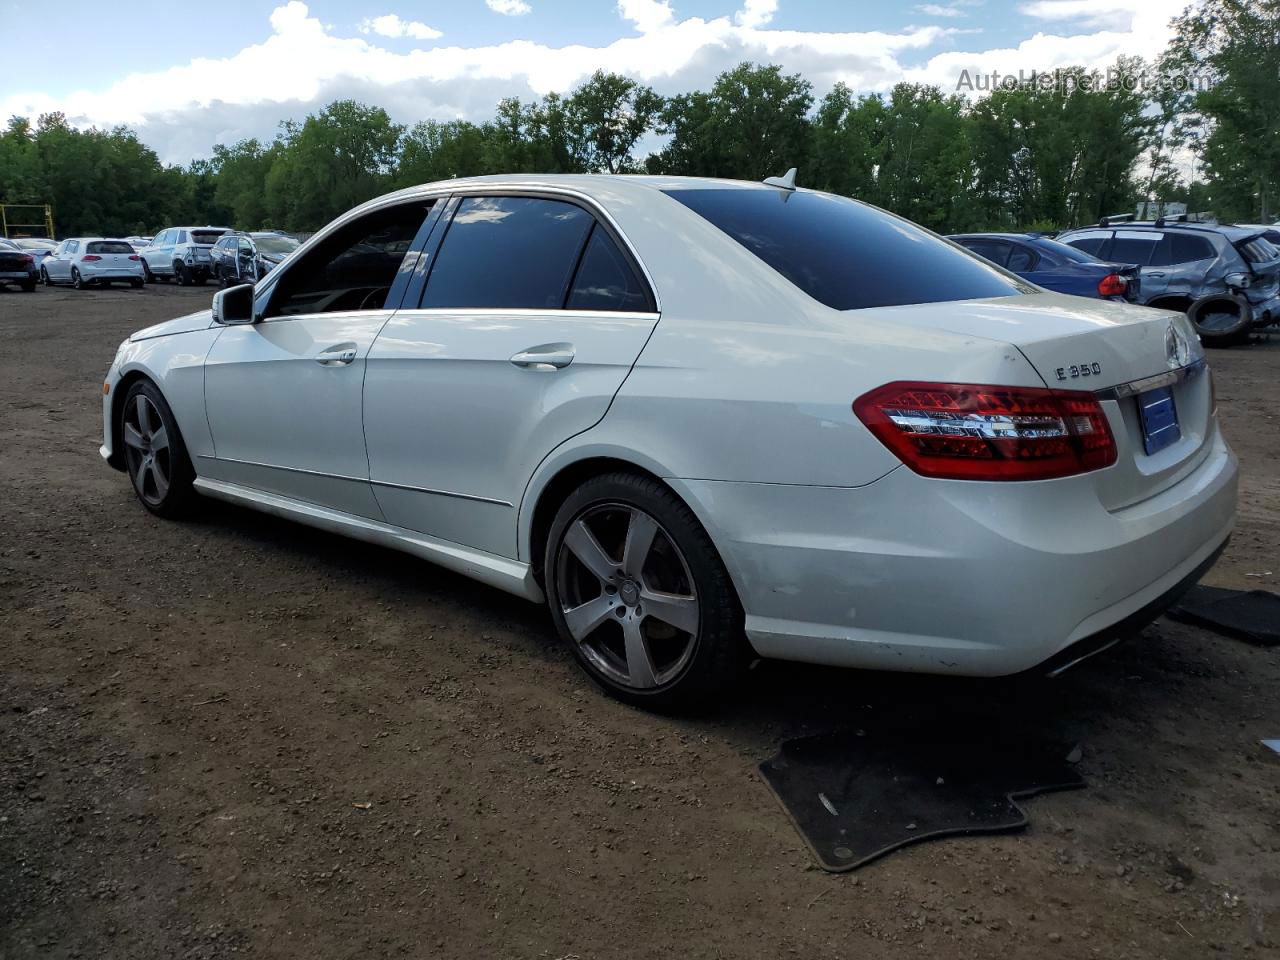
x=1055, y=266
x=1270, y=232
x=38, y=247
x=703, y=421
x=248, y=257
x=85, y=261
x=17, y=266
x=181, y=253
x=138, y=242
x=1226, y=278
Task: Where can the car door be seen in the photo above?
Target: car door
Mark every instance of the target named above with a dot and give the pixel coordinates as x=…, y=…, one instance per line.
x=154, y=255
x=533, y=313
x=243, y=253
x=62, y=268
x=283, y=394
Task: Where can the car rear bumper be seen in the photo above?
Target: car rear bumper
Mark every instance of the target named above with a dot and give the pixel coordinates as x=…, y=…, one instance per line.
x=90, y=272
x=981, y=579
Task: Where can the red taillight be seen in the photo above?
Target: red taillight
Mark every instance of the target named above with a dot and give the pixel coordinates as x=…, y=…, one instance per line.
x=964, y=431
x=90, y=257
x=135, y=257
x=1112, y=285
x=27, y=258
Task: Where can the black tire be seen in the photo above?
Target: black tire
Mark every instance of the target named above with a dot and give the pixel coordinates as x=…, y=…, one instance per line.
x=200, y=279
x=709, y=663
x=1222, y=320
x=136, y=284
x=76, y=280
x=181, y=273
x=147, y=275
x=150, y=463
x=44, y=277
x=28, y=286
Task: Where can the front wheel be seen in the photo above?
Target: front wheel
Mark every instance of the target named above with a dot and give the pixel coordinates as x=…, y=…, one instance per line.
x=155, y=455
x=639, y=592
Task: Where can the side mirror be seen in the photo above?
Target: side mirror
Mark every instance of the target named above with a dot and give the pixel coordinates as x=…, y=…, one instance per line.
x=234, y=305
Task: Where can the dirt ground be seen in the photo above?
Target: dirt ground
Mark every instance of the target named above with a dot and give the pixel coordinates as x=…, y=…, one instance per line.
x=194, y=717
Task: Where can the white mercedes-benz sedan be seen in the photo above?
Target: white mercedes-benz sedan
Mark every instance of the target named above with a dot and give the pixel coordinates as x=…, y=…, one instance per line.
x=702, y=420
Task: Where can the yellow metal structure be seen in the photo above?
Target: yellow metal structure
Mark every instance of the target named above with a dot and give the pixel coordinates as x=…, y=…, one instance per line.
x=12, y=228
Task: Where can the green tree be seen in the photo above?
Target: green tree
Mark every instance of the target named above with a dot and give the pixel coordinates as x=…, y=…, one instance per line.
x=605, y=118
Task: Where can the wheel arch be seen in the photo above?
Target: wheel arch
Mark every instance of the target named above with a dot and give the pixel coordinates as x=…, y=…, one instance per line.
x=1177, y=302
x=118, y=393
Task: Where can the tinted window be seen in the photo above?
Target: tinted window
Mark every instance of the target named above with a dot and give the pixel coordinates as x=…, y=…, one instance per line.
x=1090, y=243
x=1021, y=259
x=1259, y=250
x=206, y=236
x=351, y=269
x=1065, y=251
x=605, y=279
x=508, y=252
x=844, y=254
x=994, y=250
x=108, y=246
x=1133, y=247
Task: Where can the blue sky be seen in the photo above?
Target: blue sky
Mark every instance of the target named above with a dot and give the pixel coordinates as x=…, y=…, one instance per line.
x=192, y=74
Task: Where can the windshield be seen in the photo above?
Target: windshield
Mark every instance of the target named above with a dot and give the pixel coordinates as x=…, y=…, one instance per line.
x=206, y=236
x=275, y=244
x=1065, y=251
x=35, y=243
x=845, y=254
x=108, y=246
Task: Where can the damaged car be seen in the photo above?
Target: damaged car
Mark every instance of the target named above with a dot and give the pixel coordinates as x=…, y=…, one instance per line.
x=1225, y=277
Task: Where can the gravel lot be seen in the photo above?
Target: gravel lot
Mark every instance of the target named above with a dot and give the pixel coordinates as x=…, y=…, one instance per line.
x=194, y=716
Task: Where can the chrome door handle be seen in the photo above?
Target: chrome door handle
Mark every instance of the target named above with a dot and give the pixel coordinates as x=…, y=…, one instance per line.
x=336, y=358
x=548, y=356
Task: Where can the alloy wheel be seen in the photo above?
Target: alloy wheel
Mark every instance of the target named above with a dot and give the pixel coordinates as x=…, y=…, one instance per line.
x=627, y=596
x=147, y=450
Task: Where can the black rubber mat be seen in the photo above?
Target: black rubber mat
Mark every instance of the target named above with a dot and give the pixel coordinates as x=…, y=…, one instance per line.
x=1252, y=615
x=855, y=798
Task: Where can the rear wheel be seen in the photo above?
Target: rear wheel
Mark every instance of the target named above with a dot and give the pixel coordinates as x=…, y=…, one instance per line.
x=181, y=273
x=28, y=286
x=147, y=275
x=44, y=277
x=637, y=589
x=155, y=455
x=76, y=280
x=136, y=284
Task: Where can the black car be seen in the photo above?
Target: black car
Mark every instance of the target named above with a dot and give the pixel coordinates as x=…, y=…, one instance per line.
x=17, y=266
x=248, y=257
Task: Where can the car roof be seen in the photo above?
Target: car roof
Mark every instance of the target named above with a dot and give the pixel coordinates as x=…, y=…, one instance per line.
x=584, y=182
x=1229, y=230
x=997, y=236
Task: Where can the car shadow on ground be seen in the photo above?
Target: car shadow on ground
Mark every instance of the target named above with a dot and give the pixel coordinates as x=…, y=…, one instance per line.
x=776, y=701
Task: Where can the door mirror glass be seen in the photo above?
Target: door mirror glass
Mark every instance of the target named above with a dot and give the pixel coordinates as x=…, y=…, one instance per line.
x=234, y=305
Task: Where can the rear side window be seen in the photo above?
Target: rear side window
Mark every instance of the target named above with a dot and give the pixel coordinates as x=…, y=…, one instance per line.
x=844, y=254
x=997, y=251
x=1134, y=246
x=1259, y=250
x=1186, y=248
x=1090, y=243
x=351, y=269
x=605, y=279
x=108, y=246
x=512, y=252
x=1021, y=259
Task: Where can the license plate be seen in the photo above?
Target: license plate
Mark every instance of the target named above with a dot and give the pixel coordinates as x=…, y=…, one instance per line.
x=1159, y=417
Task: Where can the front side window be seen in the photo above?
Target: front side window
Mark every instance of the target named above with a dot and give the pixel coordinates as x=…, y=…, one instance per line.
x=352, y=268
x=508, y=252
x=845, y=254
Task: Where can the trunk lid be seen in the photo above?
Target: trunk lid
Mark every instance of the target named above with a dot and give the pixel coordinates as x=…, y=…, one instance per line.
x=1121, y=352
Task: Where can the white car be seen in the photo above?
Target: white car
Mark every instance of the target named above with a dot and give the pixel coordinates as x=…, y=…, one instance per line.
x=181, y=253
x=701, y=419
x=86, y=261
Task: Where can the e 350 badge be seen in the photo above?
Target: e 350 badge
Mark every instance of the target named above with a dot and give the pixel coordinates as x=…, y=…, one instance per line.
x=1079, y=370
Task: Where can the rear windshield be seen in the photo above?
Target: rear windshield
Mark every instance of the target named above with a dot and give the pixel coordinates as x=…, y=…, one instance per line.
x=108, y=246
x=846, y=254
x=1258, y=250
x=206, y=236
x=1064, y=250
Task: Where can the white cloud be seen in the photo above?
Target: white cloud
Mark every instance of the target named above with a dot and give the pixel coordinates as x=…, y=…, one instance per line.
x=756, y=13
x=1102, y=14
x=392, y=26
x=648, y=16
x=509, y=8
x=937, y=10
x=301, y=65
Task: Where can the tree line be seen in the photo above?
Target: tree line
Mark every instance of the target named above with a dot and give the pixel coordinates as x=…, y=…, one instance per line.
x=1034, y=156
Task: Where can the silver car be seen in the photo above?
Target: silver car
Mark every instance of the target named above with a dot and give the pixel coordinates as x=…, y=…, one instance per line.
x=1225, y=277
